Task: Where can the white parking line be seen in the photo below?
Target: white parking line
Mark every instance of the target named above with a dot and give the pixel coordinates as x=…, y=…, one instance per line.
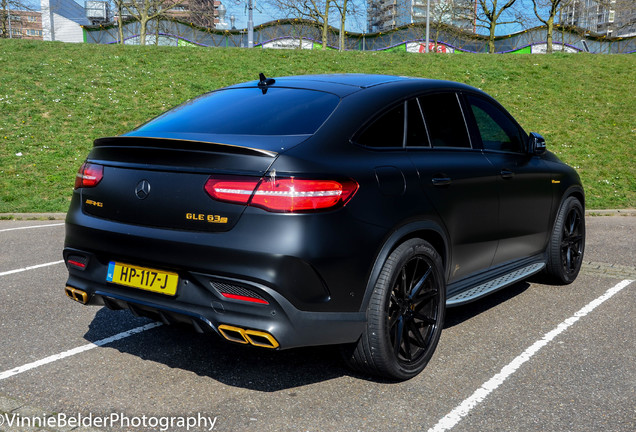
x=462, y=410
x=31, y=226
x=80, y=349
x=30, y=268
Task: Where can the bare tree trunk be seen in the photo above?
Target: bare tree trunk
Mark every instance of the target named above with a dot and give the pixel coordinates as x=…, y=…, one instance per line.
x=325, y=24
x=550, y=31
x=146, y=10
x=143, y=26
x=343, y=18
x=342, y=32
x=120, y=23
x=4, y=19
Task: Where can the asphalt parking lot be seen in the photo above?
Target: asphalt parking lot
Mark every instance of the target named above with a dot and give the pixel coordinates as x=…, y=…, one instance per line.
x=532, y=357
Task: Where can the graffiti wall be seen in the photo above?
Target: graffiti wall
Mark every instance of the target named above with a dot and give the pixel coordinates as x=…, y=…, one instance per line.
x=299, y=34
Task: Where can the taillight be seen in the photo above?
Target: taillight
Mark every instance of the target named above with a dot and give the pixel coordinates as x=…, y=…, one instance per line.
x=285, y=195
x=236, y=190
x=89, y=175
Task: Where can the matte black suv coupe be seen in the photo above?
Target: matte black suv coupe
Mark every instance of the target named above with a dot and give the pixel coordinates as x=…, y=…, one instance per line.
x=311, y=210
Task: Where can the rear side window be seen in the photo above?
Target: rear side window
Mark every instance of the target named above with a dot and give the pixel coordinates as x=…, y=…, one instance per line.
x=386, y=131
x=497, y=130
x=416, y=135
x=444, y=120
x=249, y=111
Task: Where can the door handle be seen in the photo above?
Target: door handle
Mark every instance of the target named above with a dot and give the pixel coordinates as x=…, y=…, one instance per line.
x=441, y=181
x=506, y=173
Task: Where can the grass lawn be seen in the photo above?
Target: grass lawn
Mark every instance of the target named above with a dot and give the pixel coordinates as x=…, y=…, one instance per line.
x=56, y=98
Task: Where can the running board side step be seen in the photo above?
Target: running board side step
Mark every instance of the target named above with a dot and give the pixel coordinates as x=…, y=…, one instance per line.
x=493, y=285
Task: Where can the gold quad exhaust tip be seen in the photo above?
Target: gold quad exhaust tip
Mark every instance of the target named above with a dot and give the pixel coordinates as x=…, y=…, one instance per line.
x=76, y=294
x=253, y=337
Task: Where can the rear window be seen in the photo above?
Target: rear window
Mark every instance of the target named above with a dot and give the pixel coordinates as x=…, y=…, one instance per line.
x=248, y=111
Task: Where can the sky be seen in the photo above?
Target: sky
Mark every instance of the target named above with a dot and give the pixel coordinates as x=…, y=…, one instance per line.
x=263, y=14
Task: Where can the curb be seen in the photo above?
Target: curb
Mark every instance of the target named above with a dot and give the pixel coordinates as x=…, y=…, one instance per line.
x=32, y=216
x=616, y=212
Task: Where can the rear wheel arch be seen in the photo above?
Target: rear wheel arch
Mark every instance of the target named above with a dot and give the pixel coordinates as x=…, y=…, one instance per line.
x=428, y=230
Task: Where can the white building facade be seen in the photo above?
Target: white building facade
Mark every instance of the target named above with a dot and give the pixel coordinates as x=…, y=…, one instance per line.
x=62, y=20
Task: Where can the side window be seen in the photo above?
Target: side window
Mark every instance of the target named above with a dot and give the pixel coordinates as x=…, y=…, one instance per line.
x=444, y=120
x=497, y=130
x=387, y=131
x=416, y=135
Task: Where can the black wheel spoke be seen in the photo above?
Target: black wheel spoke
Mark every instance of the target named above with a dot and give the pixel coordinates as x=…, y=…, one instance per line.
x=424, y=299
x=393, y=318
x=420, y=283
x=424, y=318
x=418, y=339
x=403, y=289
x=394, y=299
x=406, y=341
x=397, y=339
x=413, y=285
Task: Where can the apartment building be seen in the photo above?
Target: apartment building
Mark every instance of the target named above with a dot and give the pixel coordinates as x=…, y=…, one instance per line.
x=613, y=18
x=22, y=25
x=384, y=15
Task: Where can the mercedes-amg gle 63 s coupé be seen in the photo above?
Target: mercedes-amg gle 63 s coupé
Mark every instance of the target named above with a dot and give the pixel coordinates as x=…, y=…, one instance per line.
x=323, y=209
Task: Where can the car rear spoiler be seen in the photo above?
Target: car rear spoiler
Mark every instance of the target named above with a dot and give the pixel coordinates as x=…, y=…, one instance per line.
x=181, y=144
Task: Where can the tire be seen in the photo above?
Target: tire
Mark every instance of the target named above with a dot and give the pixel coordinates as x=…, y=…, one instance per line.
x=405, y=314
x=567, y=243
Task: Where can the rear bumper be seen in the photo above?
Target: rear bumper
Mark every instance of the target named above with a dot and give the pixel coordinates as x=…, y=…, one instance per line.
x=199, y=303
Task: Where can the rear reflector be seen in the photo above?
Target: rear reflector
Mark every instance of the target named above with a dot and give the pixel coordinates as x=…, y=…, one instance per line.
x=89, y=175
x=77, y=261
x=285, y=195
x=244, y=298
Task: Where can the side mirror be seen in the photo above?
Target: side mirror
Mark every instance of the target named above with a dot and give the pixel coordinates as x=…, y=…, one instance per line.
x=536, y=144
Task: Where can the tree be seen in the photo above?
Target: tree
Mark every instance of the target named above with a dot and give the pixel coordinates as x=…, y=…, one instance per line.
x=491, y=14
x=145, y=11
x=342, y=9
x=202, y=13
x=452, y=16
x=313, y=10
x=6, y=6
x=550, y=8
x=118, y=5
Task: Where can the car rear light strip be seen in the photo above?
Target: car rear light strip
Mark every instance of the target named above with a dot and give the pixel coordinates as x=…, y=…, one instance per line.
x=287, y=195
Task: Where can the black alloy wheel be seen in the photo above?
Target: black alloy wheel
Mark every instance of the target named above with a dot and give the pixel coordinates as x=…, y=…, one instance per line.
x=567, y=243
x=412, y=315
x=405, y=316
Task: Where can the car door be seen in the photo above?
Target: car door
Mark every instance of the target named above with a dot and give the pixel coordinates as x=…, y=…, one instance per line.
x=458, y=180
x=523, y=181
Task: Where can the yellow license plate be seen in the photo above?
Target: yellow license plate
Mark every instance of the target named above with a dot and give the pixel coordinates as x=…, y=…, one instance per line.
x=144, y=278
